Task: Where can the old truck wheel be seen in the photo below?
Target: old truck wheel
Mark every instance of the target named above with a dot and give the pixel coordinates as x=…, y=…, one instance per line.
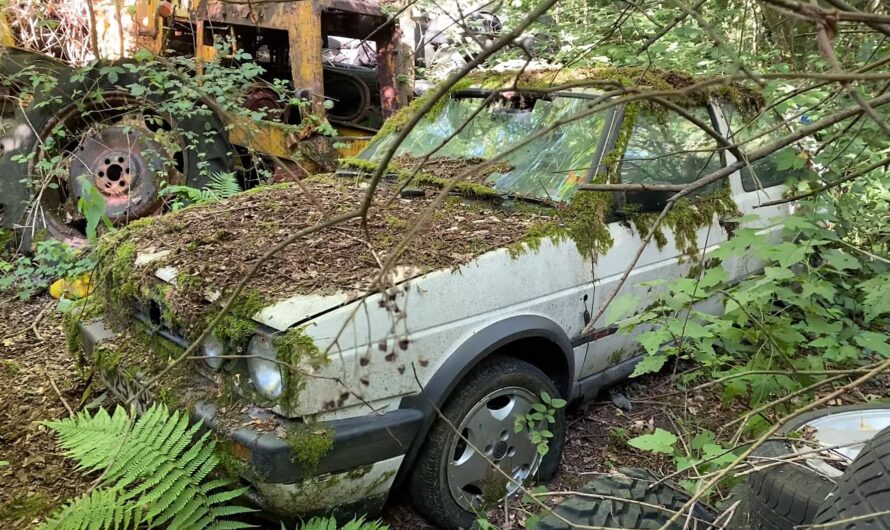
x=451, y=481
x=861, y=500
x=631, y=500
x=783, y=497
x=108, y=140
x=111, y=148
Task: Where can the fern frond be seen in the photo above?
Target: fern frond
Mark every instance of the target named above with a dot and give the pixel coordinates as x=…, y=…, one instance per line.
x=319, y=523
x=223, y=185
x=101, y=508
x=92, y=440
x=329, y=523
x=156, y=468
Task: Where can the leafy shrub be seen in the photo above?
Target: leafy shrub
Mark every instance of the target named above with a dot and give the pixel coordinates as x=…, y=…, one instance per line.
x=817, y=305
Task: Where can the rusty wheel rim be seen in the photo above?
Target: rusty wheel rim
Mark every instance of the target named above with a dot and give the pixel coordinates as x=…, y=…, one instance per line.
x=121, y=147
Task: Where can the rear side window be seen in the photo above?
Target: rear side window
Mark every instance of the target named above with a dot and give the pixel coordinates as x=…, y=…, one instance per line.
x=773, y=170
x=666, y=148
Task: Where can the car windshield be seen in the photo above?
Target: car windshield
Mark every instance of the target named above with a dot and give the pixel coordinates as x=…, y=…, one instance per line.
x=550, y=167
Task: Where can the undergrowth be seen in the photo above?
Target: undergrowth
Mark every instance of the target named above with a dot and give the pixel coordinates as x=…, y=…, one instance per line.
x=818, y=304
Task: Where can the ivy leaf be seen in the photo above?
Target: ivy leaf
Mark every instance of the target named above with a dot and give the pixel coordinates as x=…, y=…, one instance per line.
x=661, y=441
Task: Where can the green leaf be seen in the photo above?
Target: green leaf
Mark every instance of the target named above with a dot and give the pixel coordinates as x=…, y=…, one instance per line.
x=840, y=260
x=649, y=364
x=619, y=308
x=712, y=277
x=660, y=441
x=876, y=342
x=876, y=301
x=701, y=439
x=545, y=397
x=652, y=340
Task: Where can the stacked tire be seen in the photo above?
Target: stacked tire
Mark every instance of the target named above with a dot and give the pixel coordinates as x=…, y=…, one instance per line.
x=786, y=492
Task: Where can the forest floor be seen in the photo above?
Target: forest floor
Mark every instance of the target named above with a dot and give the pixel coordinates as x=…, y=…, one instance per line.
x=40, y=381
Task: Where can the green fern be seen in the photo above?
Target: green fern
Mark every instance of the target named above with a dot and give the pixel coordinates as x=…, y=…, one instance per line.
x=101, y=508
x=220, y=186
x=223, y=185
x=154, y=471
x=329, y=523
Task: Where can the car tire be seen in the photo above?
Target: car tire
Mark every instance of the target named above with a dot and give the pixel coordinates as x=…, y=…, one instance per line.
x=781, y=497
x=864, y=489
x=503, y=386
x=210, y=152
x=632, y=502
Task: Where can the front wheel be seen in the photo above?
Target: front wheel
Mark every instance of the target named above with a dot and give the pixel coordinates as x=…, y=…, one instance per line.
x=473, y=456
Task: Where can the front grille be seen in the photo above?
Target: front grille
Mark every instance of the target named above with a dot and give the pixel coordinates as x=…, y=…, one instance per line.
x=150, y=314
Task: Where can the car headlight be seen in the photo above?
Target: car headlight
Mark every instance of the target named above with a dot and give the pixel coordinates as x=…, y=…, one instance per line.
x=264, y=370
x=213, y=349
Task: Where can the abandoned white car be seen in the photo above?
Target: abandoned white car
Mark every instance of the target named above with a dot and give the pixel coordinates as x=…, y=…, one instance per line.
x=328, y=393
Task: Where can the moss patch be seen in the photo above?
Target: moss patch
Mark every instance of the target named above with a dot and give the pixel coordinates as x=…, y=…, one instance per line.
x=309, y=444
x=688, y=215
x=397, y=122
x=229, y=462
x=237, y=325
x=300, y=355
x=83, y=310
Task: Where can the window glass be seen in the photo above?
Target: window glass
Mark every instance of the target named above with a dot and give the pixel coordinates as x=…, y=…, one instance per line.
x=669, y=149
x=773, y=170
x=550, y=167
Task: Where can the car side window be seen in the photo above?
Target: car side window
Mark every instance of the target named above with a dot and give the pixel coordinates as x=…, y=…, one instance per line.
x=773, y=170
x=666, y=148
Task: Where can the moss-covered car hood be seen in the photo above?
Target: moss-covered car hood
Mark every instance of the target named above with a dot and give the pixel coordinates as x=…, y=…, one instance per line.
x=189, y=260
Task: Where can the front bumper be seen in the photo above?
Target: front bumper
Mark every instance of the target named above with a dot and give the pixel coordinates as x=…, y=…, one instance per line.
x=358, y=469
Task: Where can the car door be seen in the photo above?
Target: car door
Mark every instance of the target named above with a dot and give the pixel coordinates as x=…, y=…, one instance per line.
x=663, y=147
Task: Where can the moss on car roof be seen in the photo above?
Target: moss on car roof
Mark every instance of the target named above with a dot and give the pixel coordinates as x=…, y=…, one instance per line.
x=744, y=96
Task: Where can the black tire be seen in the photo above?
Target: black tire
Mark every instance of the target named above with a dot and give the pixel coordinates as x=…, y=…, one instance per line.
x=210, y=152
x=639, y=512
x=429, y=487
x=741, y=515
x=864, y=489
x=18, y=132
x=784, y=496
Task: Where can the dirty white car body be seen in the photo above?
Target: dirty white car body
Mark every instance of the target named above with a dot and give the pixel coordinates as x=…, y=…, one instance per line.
x=443, y=325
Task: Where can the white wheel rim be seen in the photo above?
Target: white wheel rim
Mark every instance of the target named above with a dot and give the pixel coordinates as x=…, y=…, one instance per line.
x=489, y=427
x=842, y=435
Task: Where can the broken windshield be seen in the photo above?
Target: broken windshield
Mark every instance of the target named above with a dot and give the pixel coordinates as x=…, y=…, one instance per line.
x=550, y=167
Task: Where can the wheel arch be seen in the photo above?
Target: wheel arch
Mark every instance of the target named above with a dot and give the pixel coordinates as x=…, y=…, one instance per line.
x=520, y=337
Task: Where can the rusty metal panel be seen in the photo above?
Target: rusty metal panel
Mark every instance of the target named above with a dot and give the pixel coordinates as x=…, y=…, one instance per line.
x=387, y=66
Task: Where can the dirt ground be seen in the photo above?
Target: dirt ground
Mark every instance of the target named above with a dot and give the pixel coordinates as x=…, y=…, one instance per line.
x=39, y=381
